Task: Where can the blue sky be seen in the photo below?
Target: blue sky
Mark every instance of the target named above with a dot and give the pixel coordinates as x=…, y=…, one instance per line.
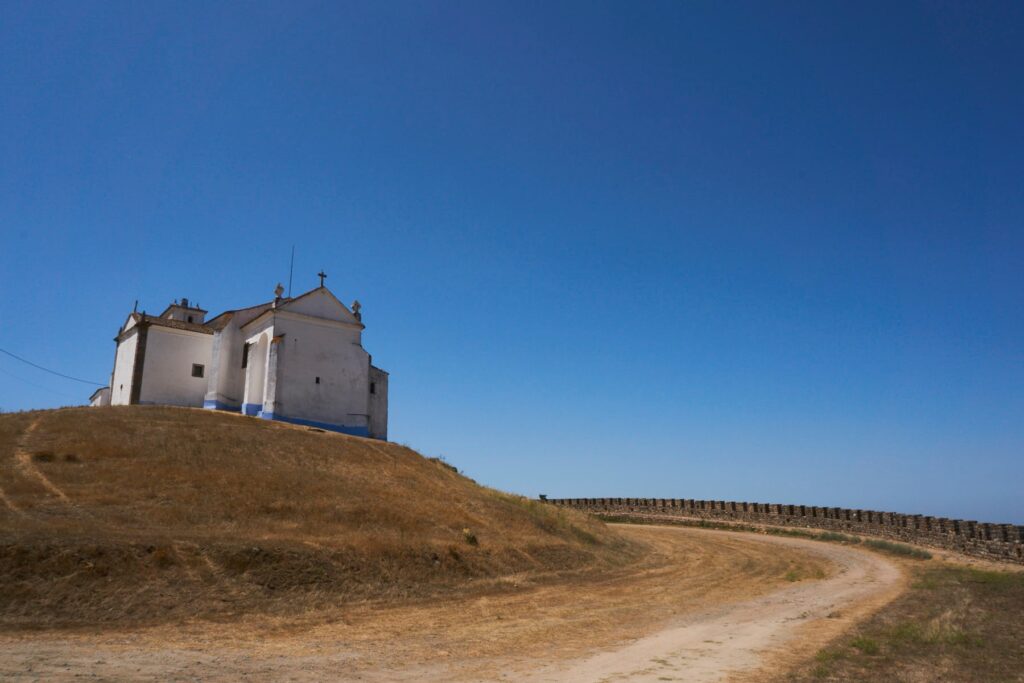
x=748, y=251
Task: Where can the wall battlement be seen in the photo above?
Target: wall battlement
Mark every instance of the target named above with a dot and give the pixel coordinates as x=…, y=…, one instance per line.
x=1004, y=542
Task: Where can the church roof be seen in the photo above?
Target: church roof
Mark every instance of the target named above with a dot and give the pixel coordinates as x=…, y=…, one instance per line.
x=171, y=307
x=143, y=318
x=311, y=292
x=286, y=304
x=322, y=289
x=221, y=321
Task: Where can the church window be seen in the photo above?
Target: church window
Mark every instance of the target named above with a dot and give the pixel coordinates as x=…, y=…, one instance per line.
x=245, y=355
x=373, y=387
x=190, y=318
x=197, y=370
x=318, y=380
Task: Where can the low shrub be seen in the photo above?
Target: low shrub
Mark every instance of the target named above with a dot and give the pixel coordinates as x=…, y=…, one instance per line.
x=900, y=549
x=866, y=645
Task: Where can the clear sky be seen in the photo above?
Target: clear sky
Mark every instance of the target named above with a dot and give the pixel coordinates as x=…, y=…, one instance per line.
x=755, y=251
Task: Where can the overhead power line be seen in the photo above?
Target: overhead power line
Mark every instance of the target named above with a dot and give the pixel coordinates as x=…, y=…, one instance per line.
x=40, y=386
x=52, y=372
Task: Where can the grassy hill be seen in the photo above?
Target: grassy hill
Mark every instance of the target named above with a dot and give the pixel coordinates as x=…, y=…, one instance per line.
x=133, y=515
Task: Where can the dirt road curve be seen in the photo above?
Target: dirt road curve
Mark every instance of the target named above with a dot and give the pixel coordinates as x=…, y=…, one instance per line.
x=700, y=606
x=744, y=637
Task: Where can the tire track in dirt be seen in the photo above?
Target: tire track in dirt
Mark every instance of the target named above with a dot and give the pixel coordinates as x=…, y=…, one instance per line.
x=23, y=461
x=702, y=605
x=745, y=637
x=10, y=503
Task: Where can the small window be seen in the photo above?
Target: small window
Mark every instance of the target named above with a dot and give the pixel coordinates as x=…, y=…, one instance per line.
x=190, y=318
x=245, y=355
x=318, y=380
x=373, y=387
x=197, y=370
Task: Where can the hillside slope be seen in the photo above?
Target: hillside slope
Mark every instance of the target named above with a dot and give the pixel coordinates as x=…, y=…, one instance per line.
x=133, y=515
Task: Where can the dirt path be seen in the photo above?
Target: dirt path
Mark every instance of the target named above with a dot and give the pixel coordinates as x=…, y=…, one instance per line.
x=23, y=460
x=751, y=635
x=701, y=606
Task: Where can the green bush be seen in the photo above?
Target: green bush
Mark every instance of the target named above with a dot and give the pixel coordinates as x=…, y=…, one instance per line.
x=866, y=645
x=898, y=549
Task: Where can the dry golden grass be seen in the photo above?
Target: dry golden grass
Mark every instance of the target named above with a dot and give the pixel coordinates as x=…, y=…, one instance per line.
x=955, y=623
x=493, y=634
x=133, y=515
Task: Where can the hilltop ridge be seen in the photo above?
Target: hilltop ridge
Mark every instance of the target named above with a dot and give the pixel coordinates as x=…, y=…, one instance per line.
x=145, y=514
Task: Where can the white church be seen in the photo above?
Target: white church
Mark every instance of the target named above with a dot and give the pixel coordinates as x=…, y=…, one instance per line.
x=298, y=360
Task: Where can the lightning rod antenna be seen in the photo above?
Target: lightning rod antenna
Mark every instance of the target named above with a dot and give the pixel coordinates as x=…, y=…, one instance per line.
x=291, y=269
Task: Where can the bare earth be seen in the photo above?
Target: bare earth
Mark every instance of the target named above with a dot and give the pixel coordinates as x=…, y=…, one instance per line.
x=749, y=636
x=704, y=606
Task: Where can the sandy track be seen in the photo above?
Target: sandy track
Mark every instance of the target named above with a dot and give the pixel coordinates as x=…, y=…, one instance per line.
x=747, y=636
x=703, y=605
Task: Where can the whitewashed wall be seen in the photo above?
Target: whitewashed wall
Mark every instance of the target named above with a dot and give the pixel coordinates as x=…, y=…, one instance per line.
x=124, y=362
x=227, y=376
x=316, y=337
x=226, y=386
x=330, y=351
x=167, y=370
x=378, y=404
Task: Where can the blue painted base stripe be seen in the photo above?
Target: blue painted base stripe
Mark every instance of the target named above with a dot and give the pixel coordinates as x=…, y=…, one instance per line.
x=342, y=429
x=251, y=408
x=218, y=405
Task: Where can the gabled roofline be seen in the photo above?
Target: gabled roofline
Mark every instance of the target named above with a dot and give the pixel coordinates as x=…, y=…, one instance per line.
x=131, y=316
x=355, y=322
x=329, y=293
x=184, y=308
x=221, y=320
x=218, y=324
x=271, y=312
x=145, y=320
x=177, y=324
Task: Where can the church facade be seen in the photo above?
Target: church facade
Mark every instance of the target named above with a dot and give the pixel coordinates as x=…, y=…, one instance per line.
x=299, y=360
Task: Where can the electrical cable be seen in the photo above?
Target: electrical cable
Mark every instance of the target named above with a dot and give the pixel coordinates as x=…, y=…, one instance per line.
x=40, y=386
x=52, y=372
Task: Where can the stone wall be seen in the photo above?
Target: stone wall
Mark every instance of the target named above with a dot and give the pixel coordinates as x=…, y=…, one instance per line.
x=1003, y=542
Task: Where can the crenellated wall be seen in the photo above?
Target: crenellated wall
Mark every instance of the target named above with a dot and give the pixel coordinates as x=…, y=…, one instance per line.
x=1003, y=542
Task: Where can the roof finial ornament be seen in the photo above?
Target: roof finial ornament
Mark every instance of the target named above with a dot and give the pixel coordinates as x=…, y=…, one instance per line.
x=278, y=291
x=355, y=309
x=321, y=275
